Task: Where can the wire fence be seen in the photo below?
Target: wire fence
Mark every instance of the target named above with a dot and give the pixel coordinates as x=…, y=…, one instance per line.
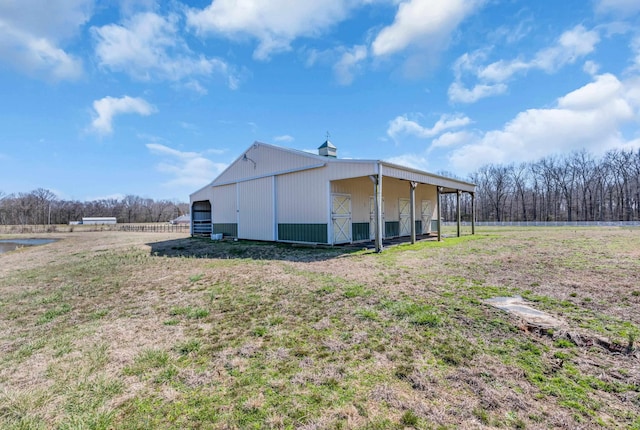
x=548, y=223
x=64, y=228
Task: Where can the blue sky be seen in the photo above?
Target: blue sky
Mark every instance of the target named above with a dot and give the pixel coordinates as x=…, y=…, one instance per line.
x=103, y=99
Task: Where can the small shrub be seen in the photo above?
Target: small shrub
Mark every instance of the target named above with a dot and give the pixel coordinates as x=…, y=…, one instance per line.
x=189, y=312
x=356, y=291
x=563, y=343
x=409, y=418
x=196, y=278
x=188, y=347
x=260, y=331
x=52, y=314
x=96, y=315
x=367, y=314
x=482, y=416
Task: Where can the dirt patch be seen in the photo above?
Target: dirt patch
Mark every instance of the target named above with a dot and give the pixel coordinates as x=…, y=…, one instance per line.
x=532, y=318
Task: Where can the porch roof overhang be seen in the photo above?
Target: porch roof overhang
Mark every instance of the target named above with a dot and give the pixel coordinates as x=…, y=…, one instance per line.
x=391, y=170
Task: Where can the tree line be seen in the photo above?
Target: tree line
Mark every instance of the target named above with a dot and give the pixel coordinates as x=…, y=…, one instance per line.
x=43, y=207
x=570, y=187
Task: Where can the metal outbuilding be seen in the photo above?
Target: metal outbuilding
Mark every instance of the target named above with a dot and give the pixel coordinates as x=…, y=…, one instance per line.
x=272, y=193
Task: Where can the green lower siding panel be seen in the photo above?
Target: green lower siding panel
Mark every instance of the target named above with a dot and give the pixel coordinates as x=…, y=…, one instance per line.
x=434, y=225
x=418, y=227
x=311, y=233
x=229, y=229
x=391, y=228
x=360, y=231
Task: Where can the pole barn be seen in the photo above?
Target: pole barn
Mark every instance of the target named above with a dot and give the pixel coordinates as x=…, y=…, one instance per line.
x=278, y=194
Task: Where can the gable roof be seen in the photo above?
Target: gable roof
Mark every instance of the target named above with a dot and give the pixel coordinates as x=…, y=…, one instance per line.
x=263, y=159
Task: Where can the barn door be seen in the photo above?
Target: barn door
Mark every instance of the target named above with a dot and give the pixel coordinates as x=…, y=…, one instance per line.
x=341, y=218
x=405, y=217
x=372, y=217
x=427, y=214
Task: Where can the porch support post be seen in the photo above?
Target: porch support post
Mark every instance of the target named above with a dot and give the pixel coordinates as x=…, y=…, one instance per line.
x=458, y=193
x=473, y=213
x=377, y=202
x=412, y=202
x=439, y=213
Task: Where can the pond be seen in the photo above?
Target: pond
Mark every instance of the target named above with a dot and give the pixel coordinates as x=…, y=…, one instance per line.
x=7, y=245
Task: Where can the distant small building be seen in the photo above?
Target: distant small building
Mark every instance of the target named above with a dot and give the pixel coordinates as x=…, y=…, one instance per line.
x=98, y=220
x=182, y=219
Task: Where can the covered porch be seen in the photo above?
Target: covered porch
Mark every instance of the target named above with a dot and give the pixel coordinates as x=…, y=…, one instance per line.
x=396, y=203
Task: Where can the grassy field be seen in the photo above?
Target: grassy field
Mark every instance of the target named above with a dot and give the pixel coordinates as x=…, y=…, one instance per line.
x=105, y=330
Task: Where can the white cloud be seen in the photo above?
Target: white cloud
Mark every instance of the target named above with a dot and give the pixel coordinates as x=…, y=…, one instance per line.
x=108, y=107
x=402, y=125
x=187, y=170
x=415, y=161
x=148, y=46
x=452, y=139
x=349, y=64
x=591, y=67
x=570, y=46
x=589, y=117
x=419, y=22
x=635, y=47
x=618, y=7
x=33, y=33
x=283, y=138
x=274, y=23
x=458, y=93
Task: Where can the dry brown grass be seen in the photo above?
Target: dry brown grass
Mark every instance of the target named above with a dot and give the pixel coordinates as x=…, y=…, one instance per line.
x=144, y=330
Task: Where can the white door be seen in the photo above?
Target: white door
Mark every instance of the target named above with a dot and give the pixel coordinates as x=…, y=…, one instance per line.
x=341, y=218
x=372, y=218
x=405, y=217
x=427, y=215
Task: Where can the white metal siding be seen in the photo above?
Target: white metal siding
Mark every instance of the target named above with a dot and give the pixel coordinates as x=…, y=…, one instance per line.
x=344, y=169
x=205, y=193
x=265, y=160
x=302, y=197
x=255, y=209
x=223, y=205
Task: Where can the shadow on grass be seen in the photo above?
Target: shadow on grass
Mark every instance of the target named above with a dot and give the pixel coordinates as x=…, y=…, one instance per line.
x=203, y=247
x=199, y=247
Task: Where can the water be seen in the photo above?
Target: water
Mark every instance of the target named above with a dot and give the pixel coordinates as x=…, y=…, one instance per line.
x=7, y=245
